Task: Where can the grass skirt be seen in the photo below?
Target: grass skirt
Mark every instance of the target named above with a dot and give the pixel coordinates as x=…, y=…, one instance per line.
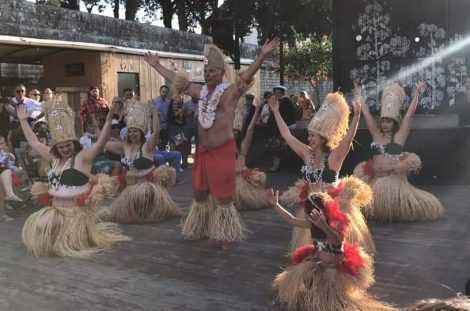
x=309, y=286
x=143, y=202
x=251, y=191
x=72, y=231
x=196, y=224
x=395, y=199
x=221, y=224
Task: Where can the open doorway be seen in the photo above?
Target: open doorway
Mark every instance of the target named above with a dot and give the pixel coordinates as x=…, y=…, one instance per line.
x=128, y=80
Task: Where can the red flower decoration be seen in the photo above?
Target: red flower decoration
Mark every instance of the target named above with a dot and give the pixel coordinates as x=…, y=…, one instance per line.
x=334, y=191
x=304, y=192
x=336, y=219
x=16, y=180
x=301, y=253
x=367, y=168
x=247, y=174
x=352, y=260
x=122, y=180
x=44, y=199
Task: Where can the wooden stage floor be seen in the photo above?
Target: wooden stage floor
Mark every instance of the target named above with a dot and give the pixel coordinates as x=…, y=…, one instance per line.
x=158, y=270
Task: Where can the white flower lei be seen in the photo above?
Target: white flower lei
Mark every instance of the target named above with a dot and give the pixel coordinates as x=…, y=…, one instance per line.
x=207, y=108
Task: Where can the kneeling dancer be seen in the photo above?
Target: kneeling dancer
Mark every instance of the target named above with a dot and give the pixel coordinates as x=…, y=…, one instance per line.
x=68, y=225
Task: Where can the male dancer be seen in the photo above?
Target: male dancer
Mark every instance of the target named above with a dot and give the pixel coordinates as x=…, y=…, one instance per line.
x=214, y=167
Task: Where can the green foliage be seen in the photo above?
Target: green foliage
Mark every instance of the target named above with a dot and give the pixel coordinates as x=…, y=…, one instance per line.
x=309, y=57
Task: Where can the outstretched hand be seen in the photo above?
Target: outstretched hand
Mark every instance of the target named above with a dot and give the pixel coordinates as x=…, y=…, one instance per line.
x=318, y=219
x=21, y=113
x=420, y=85
x=273, y=196
x=357, y=105
x=273, y=103
x=269, y=46
x=152, y=59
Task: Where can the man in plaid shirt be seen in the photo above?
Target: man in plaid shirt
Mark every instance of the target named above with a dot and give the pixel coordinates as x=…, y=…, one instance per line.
x=93, y=106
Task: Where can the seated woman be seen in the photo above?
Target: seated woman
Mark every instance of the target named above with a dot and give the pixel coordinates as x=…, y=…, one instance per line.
x=144, y=197
x=329, y=141
x=329, y=274
x=250, y=182
x=395, y=199
x=68, y=225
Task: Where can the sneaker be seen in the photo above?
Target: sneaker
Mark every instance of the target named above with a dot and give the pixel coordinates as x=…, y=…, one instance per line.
x=181, y=170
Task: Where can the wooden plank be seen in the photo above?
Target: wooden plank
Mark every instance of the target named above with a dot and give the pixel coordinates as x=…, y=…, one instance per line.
x=159, y=270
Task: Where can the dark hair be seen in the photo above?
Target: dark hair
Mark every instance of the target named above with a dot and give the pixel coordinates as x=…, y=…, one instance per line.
x=38, y=125
x=41, y=134
x=395, y=127
x=164, y=86
x=142, y=136
x=20, y=85
x=267, y=94
x=93, y=87
x=77, y=149
x=315, y=201
x=127, y=89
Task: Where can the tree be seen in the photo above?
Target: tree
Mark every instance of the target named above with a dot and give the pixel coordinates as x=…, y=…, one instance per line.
x=309, y=57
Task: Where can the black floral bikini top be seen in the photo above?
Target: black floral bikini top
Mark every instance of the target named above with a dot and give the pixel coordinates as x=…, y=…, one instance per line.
x=392, y=150
x=141, y=163
x=69, y=177
x=322, y=174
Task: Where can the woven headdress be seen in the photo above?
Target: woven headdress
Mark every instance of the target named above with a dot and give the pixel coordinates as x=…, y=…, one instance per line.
x=138, y=115
x=61, y=120
x=213, y=57
x=392, y=98
x=331, y=120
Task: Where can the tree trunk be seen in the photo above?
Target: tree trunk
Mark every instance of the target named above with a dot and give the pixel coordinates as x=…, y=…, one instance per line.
x=167, y=12
x=131, y=9
x=71, y=4
x=182, y=18
x=116, y=9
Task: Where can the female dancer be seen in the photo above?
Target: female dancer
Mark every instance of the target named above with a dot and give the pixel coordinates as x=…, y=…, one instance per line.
x=68, y=225
x=250, y=182
x=329, y=274
x=144, y=197
x=395, y=199
x=329, y=142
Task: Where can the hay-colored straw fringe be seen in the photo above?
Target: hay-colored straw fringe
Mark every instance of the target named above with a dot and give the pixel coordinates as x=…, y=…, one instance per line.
x=196, y=224
x=226, y=225
x=251, y=195
x=144, y=202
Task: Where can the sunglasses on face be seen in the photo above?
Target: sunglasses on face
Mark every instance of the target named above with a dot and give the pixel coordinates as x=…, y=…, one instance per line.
x=20, y=91
x=35, y=94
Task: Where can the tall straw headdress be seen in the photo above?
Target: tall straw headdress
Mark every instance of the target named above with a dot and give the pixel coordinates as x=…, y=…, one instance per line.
x=138, y=115
x=391, y=101
x=60, y=119
x=331, y=120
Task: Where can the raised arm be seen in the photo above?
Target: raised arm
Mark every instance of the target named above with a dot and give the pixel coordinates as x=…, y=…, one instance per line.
x=273, y=197
x=338, y=155
x=299, y=148
x=91, y=153
x=246, y=143
x=405, y=128
x=33, y=141
x=266, y=50
x=9, y=108
x=370, y=121
x=319, y=220
x=154, y=61
x=153, y=139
